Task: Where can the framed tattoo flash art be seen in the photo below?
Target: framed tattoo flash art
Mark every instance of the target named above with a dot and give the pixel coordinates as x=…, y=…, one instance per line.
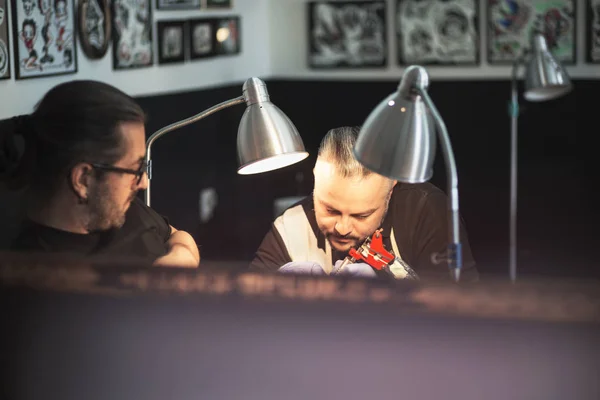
x=511, y=23
x=202, y=38
x=4, y=48
x=347, y=34
x=437, y=32
x=592, y=51
x=44, y=38
x=94, y=27
x=132, y=34
x=171, y=41
x=227, y=36
x=219, y=3
x=178, y=4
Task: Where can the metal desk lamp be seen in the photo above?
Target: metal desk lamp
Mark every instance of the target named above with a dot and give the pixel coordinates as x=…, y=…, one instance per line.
x=545, y=79
x=398, y=141
x=267, y=139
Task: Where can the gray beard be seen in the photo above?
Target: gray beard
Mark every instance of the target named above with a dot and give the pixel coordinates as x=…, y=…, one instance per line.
x=103, y=214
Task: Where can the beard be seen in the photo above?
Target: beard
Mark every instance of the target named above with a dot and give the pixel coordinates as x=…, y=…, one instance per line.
x=104, y=213
x=341, y=250
x=349, y=242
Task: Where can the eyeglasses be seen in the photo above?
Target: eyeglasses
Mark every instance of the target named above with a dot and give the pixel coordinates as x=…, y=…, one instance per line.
x=138, y=173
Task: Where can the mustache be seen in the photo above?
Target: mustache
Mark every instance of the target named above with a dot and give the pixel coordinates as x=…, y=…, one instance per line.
x=333, y=235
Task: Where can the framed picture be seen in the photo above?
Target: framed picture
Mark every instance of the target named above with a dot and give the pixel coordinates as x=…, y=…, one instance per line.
x=227, y=36
x=178, y=4
x=511, y=23
x=592, y=51
x=4, y=48
x=94, y=27
x=202, y=38
x=132, y=34
x=171, y=41
x=439, y=32
x=44, y=38
x=347, y=34
x=219, y=3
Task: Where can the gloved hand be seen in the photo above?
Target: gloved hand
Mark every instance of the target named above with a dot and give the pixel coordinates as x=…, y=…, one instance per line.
x=302, y=267
x=360, y=270
x=401, y=270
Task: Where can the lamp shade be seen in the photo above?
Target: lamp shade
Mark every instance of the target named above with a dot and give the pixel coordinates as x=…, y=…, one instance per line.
x=398, y=138
x=267, y=139
x=545, y=77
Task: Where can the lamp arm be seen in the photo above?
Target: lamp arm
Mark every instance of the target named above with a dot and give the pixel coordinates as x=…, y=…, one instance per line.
x=177, y=125
x=454, y=249
x=514, y=115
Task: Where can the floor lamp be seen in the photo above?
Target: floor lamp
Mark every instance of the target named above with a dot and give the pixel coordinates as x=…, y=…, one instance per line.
x=545, y=79
x=398, y=140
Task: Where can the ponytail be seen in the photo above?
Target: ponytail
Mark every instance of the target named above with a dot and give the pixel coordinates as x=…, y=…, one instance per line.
x=17, y=155
x=75, y=121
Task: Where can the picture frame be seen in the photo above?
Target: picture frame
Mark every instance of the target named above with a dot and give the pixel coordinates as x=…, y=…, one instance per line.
x=178, y=4
x=202, y=38
x=95, y=27
x=4, y=42
x=44, y=38
x=511, y=23
x=132, y=44
x=219, y=3
x=227, y=36
x=592, y=48
x=437, y=33
x=171, y=41
x=333, y=39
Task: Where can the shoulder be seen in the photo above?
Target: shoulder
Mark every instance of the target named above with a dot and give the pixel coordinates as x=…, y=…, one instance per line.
x=298, y=223
x=140, y=213
x=422, y=189
x=416, y=193
x=296, y=214
x=26, y=238
x=139, y=208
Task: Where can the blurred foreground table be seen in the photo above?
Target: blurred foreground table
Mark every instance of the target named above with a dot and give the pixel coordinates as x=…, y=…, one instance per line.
x=75, y=330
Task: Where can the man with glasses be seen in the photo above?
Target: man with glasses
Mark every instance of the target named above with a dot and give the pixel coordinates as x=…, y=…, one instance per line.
x=83, y=164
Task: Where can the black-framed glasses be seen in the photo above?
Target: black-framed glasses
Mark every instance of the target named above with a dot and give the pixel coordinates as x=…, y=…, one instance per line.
x=139, y=173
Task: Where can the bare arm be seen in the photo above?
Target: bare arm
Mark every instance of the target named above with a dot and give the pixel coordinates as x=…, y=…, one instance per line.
x=182, y=251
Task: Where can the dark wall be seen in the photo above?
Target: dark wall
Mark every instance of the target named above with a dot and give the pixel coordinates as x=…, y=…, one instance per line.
x=557, y=176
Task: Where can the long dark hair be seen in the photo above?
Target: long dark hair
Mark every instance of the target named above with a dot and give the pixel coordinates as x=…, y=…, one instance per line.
x=74, y=122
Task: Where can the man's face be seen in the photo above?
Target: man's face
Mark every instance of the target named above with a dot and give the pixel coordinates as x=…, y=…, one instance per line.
x=348, y=210
x=111, y=193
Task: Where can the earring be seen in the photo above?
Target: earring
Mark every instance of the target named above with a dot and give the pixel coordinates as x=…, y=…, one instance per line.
x=82, y=200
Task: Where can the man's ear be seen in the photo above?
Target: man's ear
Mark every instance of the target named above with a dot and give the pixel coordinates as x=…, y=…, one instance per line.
x=391, y=189
x=80, y=179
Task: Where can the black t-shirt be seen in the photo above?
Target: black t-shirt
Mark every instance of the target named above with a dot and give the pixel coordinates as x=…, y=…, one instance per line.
x=143, y=237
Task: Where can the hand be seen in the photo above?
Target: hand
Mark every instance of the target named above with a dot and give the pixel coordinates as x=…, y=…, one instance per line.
x=401, y=270
x=302, y=267
x=361, y=270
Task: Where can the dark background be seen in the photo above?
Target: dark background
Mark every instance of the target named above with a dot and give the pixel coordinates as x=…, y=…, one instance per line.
x=557, y=173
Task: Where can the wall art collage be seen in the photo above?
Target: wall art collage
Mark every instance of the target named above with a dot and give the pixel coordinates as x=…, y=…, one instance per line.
x=353, y=34
x=44, y=34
